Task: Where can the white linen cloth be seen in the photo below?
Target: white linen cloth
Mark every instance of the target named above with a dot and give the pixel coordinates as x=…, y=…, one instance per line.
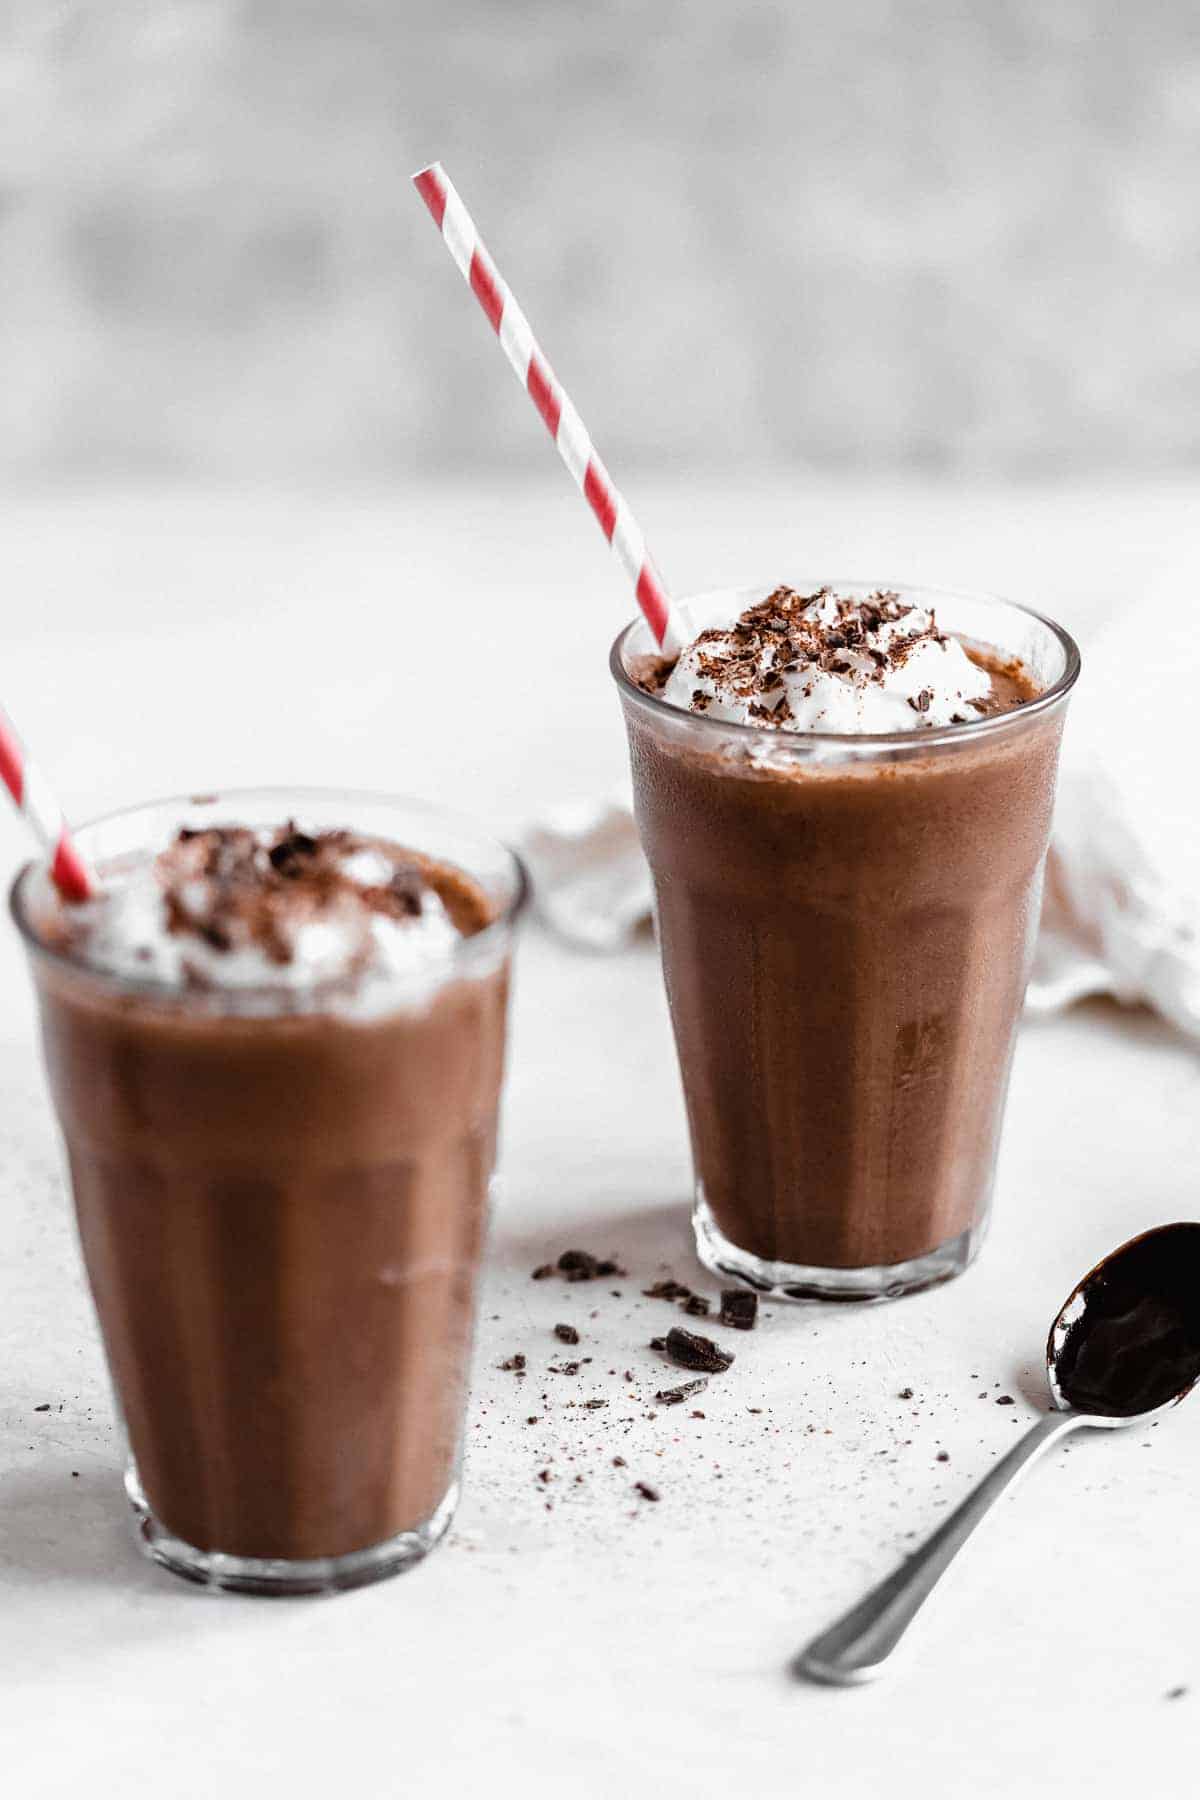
x=1122, y=908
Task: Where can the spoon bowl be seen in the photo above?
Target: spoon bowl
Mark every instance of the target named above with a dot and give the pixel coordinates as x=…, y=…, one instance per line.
x=1126, y=1343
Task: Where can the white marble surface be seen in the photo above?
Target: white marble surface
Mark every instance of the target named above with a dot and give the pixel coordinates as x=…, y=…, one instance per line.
x=604, y=1646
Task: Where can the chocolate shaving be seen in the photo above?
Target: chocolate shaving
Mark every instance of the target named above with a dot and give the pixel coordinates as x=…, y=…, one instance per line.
x=235, y=889
x=739, y=1308
x=691, y=1351
x=790, y=632
x=667, y=1290
x=677, y=1395
x=581, y=1265
x=289, y=853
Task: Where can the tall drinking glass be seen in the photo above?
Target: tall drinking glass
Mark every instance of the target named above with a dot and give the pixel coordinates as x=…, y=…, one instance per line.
x=846, y=926
x=281, y=1201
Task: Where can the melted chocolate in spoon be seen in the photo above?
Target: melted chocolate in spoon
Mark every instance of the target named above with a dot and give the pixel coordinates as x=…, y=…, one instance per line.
x=1128, y=1339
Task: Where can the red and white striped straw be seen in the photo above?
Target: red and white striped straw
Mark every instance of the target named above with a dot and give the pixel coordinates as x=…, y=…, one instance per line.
x=561, y=419
x=35, y=801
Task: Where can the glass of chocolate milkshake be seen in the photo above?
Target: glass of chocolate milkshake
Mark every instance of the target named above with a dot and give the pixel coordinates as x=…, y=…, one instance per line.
x=844, y=795
x=275, y=1044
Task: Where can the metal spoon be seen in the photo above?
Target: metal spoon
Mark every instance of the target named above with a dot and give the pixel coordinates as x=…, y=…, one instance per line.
x=1124, y=1347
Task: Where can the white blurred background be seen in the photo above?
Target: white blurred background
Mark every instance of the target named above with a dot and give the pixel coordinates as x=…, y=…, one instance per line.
x=847, y=233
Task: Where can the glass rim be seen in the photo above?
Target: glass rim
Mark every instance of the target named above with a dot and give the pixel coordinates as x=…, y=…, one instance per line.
x=242, y=1000
x=969, y=732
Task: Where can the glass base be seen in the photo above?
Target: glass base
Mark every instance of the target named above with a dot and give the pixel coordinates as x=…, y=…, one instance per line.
x=799, y=1281
x=278, y=1575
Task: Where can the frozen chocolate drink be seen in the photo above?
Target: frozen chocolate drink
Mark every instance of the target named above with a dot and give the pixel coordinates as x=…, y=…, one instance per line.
x=275, y=1044
x=845, y=800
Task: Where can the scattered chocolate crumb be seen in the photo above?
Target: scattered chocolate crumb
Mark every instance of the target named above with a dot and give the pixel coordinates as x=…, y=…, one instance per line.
x=1175, y=1693
x=674, y=1396
x=43, y=1408
x=691, y=1351
x=532, y=1419
x=75, y=1474
x=629, y=1375
x=754, y=1409
x=567, y=1368
x=581, y=1265
x=566, y=1334
x=618, y=1462
x=943, y=1456
x=696, y=1305
x=669, y=1289
x=697, y=1415
x=578, y=1265
x=514, y=1364
x=658, y=1343
x=1005, y=1400
x=591, y=1405
x=906, y=1393
x=542, y=1271
x=544, y=1476
x=646, y=1491
x=739, y=1308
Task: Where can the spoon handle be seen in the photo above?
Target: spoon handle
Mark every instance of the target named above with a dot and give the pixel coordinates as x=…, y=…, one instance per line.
x=858, y=1646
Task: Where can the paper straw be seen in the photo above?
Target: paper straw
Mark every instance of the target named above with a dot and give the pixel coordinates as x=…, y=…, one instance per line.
x=36, y=803
x=561, y=419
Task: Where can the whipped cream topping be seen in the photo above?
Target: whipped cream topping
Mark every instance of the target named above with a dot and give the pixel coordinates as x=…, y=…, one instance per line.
x=231, y=908
x=824, y=662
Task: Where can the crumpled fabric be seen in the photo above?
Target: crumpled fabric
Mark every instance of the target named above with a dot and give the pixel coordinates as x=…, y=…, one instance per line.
x=1121, y=915
x=591, y=883
x=1122, y=909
